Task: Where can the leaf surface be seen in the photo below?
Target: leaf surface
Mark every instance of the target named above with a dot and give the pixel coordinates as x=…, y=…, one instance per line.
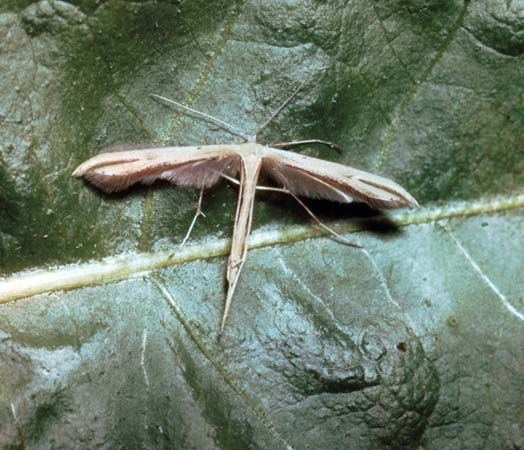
x=108, y=328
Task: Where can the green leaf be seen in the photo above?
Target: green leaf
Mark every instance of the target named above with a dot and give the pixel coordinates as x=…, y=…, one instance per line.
x=108, y=329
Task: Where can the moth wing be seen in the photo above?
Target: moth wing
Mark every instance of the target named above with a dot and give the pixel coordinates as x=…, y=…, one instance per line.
x=118, y=168
x=317, y=178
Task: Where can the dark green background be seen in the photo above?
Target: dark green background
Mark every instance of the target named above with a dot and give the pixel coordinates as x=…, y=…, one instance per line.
x=428, y=92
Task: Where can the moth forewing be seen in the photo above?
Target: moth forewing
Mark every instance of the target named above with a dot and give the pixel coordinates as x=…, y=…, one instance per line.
x=331, y=178
x=153, y=157
x=186, y=166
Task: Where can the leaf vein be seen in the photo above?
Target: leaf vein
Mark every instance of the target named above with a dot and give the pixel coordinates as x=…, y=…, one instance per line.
x=485, y=277
x=126, y=266
x=412, y=93
x=226, y=376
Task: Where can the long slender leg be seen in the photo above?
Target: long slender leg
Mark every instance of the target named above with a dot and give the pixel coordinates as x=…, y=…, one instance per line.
x=301, y=203
x=319, y=223
x=197, y=213
x=250, y=168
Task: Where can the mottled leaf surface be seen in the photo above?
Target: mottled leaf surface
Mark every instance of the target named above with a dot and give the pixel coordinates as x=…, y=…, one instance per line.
x=414, y=341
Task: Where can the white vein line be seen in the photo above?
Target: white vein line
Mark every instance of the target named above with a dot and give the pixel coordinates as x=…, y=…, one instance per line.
x=314, y=296
x=486, y=279
x=13, y=411
x=65, y=307
x=381, y=277
x=251, y=404
x=385, y=286
x=143, y=356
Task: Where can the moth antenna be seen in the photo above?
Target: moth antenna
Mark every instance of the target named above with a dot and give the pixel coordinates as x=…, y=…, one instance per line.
x=286, y=145
x=286, y=102
x=224, y=125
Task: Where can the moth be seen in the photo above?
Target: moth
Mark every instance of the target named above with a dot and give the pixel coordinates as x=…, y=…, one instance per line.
x=203, y=166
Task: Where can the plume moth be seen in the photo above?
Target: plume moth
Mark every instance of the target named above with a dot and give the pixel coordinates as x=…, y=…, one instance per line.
x=203, y=166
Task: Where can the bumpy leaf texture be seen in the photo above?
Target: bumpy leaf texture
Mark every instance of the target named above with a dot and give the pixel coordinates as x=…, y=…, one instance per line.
x=108, y=330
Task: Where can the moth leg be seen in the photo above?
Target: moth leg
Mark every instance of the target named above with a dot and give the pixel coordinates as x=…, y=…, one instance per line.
x=235, y=264
x=197, y=213
x=301, y=203
x=317, y=220
x=249, y=170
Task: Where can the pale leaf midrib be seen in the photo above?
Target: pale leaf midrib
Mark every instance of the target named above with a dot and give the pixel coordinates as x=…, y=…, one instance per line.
x=126, y=266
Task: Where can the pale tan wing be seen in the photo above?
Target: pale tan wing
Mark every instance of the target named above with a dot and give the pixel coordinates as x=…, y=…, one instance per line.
x=317, y=178
x=118, y=168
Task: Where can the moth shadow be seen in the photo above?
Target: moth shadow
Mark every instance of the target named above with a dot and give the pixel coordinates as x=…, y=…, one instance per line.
x=134, y=191
x=368, y=219
x=282, y=205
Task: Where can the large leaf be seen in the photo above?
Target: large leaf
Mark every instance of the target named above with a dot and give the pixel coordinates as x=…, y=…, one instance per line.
x=108, y=331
